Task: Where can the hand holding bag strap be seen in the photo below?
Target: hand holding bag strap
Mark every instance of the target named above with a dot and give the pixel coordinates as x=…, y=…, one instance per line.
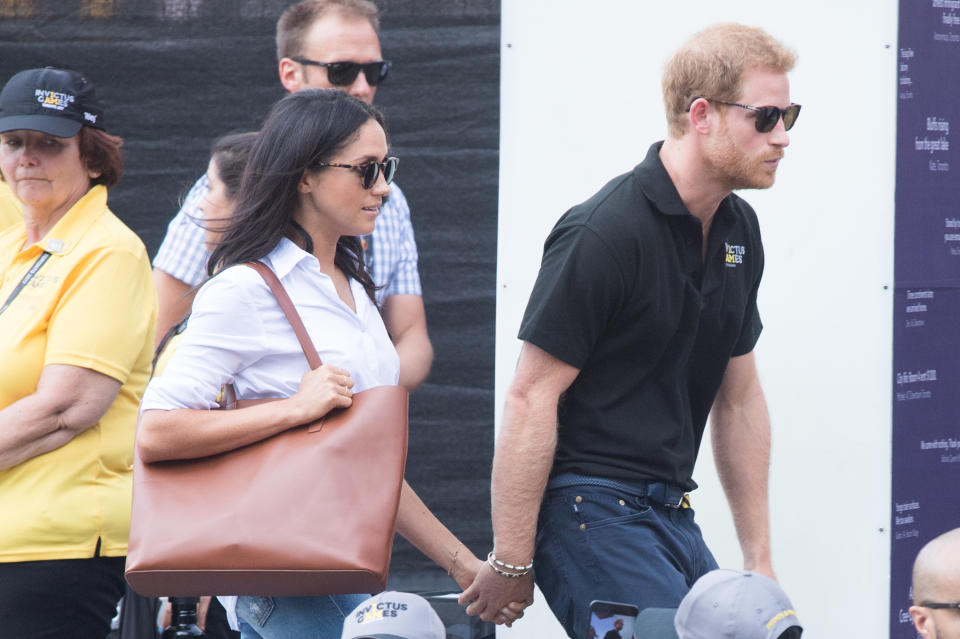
x=313, y=358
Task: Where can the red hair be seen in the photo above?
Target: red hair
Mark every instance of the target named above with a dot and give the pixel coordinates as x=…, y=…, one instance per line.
x=100, y=152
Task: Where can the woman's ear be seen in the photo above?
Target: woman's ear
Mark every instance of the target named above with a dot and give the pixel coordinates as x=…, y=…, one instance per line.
x=305, y=185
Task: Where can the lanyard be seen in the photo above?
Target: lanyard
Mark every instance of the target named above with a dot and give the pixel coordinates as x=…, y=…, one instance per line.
x=26, y=279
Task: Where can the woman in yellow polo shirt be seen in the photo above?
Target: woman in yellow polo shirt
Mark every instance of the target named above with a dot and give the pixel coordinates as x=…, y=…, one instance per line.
x=77, y=314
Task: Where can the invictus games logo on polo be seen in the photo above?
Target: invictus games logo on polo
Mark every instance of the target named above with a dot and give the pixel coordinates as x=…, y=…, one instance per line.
x=53, y=99
x=734, y=255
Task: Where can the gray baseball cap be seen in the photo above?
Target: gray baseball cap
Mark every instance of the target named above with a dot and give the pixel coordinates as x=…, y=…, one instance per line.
x=734, y=604
x=394, y=615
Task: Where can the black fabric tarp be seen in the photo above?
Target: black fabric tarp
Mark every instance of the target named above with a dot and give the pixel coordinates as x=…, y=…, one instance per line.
x=176, y=74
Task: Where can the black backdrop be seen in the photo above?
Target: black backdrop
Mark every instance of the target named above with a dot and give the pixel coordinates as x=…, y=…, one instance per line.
x=176, y=74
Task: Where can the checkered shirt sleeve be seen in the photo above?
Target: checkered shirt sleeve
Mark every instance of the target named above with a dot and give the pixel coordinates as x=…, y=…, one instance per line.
x=183, y=253
x=394, y=249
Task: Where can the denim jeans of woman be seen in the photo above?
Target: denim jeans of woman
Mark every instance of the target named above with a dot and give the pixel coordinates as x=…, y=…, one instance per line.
x=283, y=617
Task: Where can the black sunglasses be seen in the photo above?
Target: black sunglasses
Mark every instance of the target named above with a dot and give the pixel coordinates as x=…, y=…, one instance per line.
x=767, y=116
x=370, y=171
x=933, y=604
x=343, y=74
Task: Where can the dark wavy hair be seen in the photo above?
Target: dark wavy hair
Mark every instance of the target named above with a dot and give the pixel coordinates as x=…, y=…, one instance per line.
x=301, y=130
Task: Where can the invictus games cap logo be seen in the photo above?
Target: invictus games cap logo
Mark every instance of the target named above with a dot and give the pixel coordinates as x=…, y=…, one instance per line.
x=378, y=611
x=53, y=99
x=734, y=255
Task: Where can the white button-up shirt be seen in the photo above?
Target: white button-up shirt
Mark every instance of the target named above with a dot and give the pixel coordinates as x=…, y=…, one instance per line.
x=238, y=334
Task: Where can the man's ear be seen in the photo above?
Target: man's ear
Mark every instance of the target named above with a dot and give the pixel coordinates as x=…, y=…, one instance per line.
x=698, y=117
x=922, y=621
x=291, y=75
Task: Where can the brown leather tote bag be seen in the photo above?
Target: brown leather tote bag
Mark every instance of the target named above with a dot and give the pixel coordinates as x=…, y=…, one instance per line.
x=309, y=511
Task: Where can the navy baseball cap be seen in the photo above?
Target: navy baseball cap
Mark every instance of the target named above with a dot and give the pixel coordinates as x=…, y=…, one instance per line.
x=54, y=101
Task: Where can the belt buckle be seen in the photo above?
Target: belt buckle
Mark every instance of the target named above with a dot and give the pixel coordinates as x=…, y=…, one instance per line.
x=679, y=503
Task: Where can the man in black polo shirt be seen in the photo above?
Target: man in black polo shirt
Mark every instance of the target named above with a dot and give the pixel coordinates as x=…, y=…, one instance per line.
x=643, y=319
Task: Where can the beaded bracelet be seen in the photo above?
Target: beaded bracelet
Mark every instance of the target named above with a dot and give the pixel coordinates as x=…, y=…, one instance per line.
x=504, y=573
x=494, y=559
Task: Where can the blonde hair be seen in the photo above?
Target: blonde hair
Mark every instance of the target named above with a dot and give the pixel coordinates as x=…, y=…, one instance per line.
x=711, y=64
x=296, y=20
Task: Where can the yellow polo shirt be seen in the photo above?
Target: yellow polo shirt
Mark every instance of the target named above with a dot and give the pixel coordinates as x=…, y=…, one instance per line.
x=91, y=305
x=9, y=208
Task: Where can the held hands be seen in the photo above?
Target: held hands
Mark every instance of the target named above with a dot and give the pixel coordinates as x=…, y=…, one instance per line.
x=323, y=389
x=496, y=598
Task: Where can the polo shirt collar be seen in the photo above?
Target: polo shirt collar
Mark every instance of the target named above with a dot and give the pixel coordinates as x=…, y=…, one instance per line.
x=656, y=184
x=285, y=256
x=71, y=228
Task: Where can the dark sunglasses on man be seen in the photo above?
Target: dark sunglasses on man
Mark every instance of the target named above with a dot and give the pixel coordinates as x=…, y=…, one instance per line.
x=343, y=74
x=370, y=171
x=767, y=116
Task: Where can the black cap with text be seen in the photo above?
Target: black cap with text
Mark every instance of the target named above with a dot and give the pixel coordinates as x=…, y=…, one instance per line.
x=53, y=101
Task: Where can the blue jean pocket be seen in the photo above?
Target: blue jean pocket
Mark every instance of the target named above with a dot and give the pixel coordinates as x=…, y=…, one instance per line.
x=255, y=610
x=602, y=507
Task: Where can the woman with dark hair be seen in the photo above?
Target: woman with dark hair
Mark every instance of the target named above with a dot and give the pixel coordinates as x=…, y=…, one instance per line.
x=315, y=180
x=77, y=314
x=228, y=158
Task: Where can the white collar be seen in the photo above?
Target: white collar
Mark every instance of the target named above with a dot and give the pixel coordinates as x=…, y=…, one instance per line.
x=285, y=256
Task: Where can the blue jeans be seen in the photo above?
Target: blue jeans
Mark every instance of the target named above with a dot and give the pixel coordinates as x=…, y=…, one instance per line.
x=611, y=543
x=287, y=617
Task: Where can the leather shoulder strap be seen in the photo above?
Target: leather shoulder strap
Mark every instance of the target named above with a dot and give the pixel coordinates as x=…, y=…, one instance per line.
x=289, y=310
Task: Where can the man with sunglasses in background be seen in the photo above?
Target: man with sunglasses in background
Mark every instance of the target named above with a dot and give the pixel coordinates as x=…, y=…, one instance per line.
x=321, y=44
x=936, y=588
x=643, y=318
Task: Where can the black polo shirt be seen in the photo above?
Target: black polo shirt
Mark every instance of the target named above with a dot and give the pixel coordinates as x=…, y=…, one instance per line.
x=624, y=295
